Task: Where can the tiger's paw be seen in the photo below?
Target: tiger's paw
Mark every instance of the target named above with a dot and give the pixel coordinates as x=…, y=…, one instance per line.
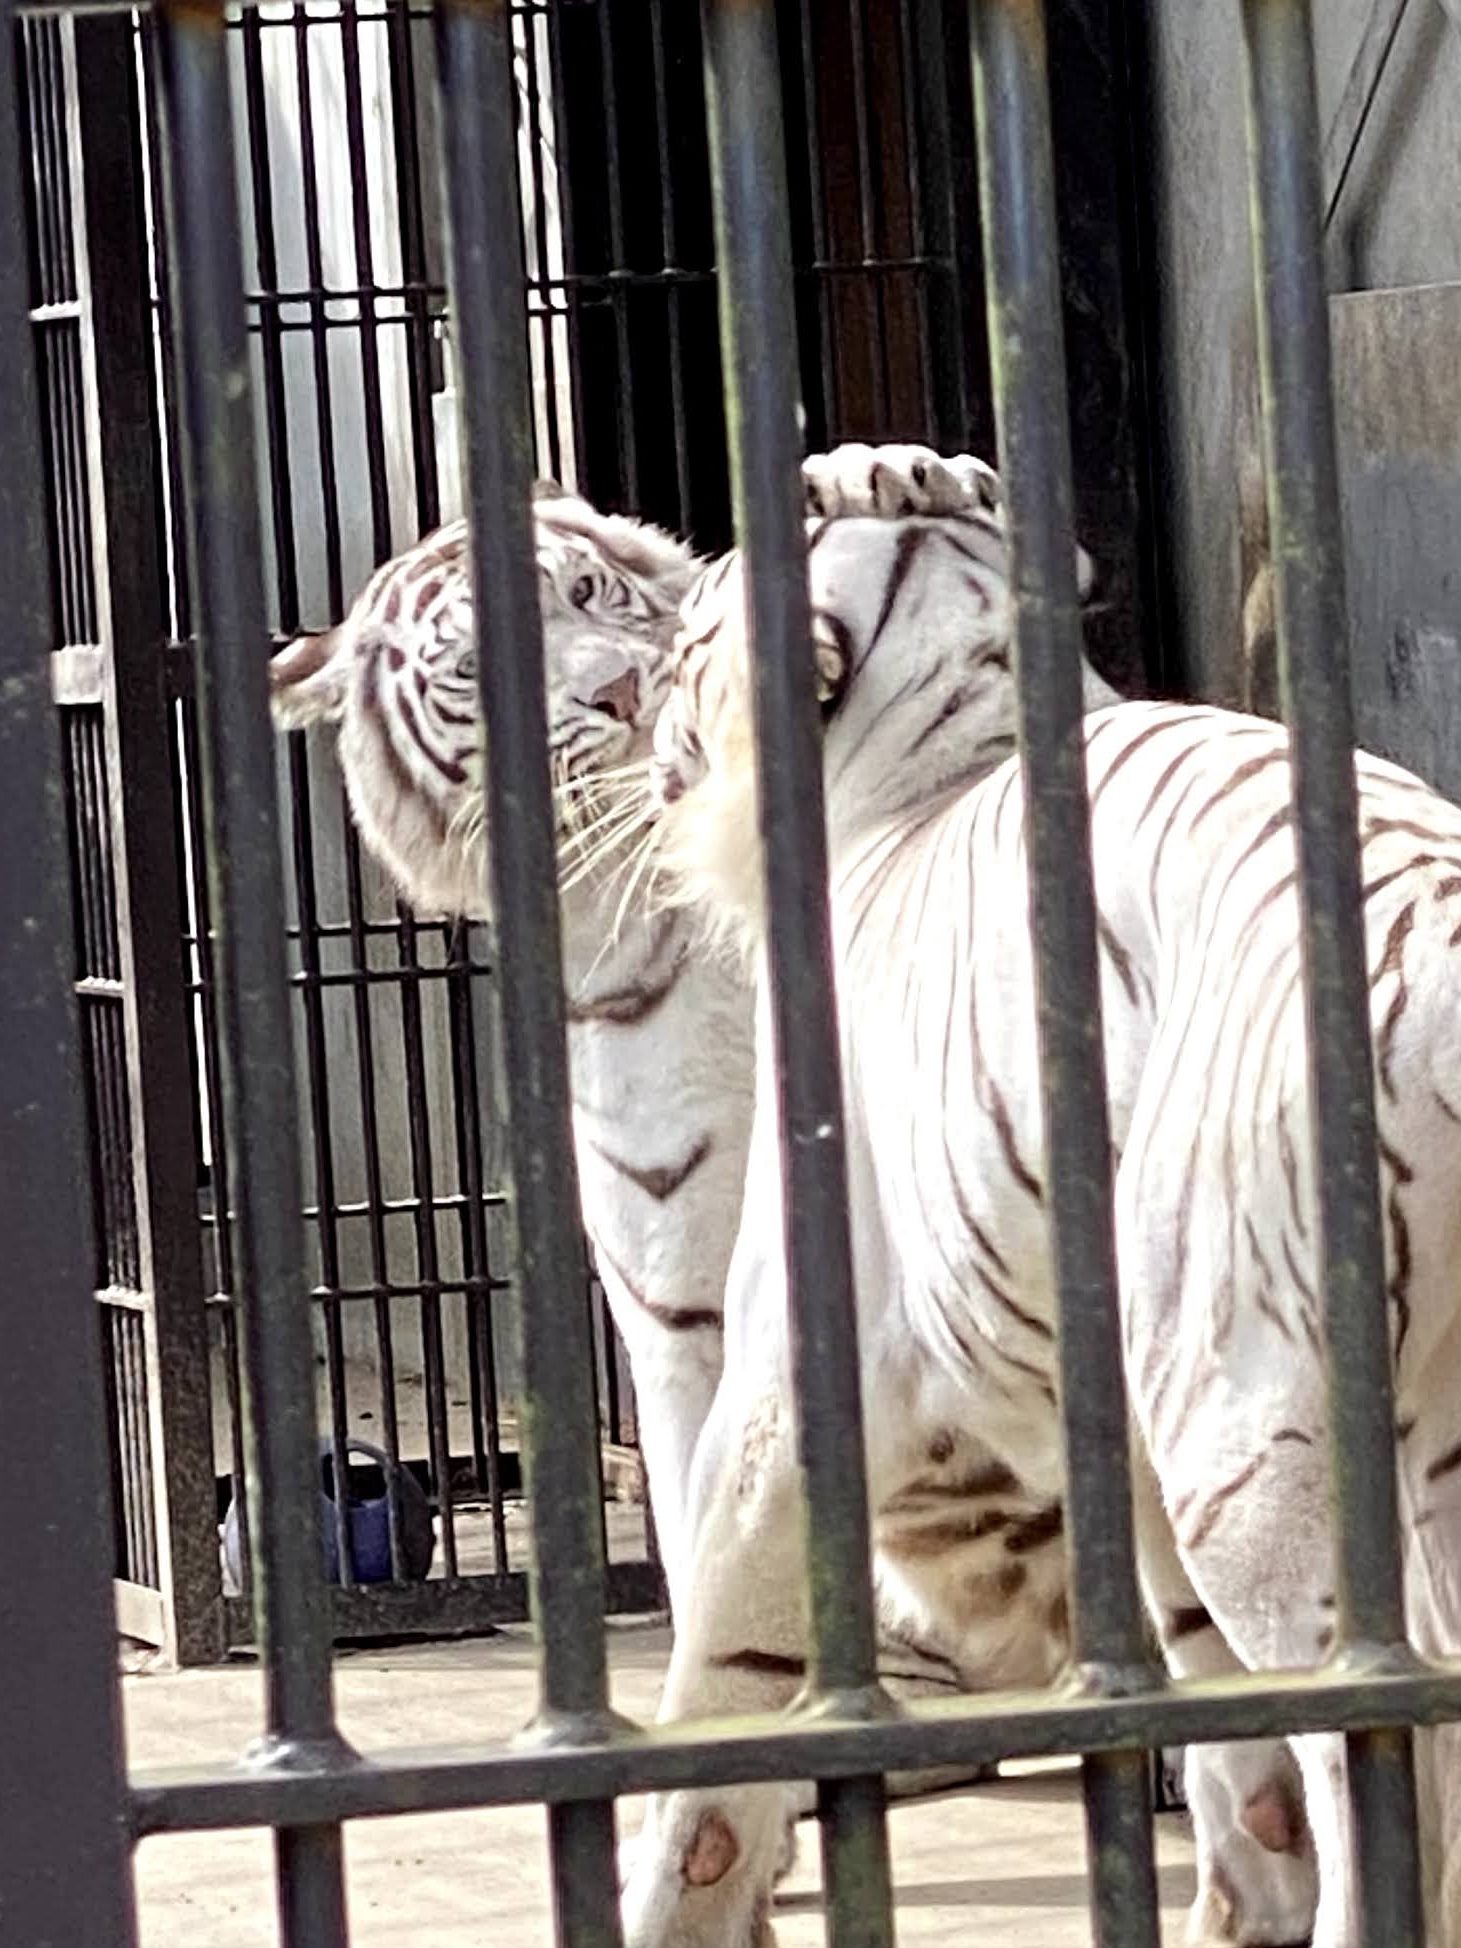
x=703, y=1868
x=891, y=481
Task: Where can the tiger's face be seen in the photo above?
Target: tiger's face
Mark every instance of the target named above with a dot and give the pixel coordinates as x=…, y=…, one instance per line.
x=399, y=677
x=912, y=640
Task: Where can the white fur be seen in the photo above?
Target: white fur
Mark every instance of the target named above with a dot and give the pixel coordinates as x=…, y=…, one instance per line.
x=672, y=1090
x=1205, y=1057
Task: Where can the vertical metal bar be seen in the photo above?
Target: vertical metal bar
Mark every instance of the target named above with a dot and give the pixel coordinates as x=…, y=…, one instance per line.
x=826, y=425
x=365, y=279
x=869, y=208
x=529, y=22
x=317, y=1070
x=428, y=1266
x=758, y=330
x=370, y=1141
x=1313, y=641
x=562, y=1459
x=670, y=247
x=1017, y=200
x=117, y=375
x=930, y=138
x=629, y=483
x=758, y=333
x=476, y=1259
x=245, y=871
x=411, y=222
x=319, y=321
x=67, y=1874
x=559, y=1428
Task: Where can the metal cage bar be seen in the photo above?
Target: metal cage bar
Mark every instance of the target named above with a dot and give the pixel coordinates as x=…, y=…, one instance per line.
x=758, y=331
x=559, y=1421
x=1313, y=642
x=1017, y=202
x=66, y=1874
x=110, y=255
x=245, y=872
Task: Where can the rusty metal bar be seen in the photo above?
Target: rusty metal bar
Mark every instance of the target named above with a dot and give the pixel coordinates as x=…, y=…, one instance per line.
x=245, y=873
x=1022, y=260
x=1313, y=651
x=559, y=1416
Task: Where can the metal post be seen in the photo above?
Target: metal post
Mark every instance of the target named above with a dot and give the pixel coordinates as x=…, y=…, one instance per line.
x=1313, y=645
x=245, y=873
x=65, y=1874
x=758, y=332
x=110, y=246
x=1017, y=200
x=559, y=1420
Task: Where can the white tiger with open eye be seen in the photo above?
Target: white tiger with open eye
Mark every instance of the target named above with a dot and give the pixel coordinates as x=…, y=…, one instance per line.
x=1216, y=1225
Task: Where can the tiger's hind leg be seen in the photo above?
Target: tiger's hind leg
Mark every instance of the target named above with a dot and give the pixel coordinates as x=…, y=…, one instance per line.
x=1237, y=1444
x=1256, y=1876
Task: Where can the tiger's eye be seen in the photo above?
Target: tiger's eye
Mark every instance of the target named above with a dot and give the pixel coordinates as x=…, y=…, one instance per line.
x=581, y=594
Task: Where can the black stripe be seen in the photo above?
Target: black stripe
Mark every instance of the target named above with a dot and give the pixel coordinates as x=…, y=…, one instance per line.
x=659, y=1181
x=765, y=1663
x=1186, y=1621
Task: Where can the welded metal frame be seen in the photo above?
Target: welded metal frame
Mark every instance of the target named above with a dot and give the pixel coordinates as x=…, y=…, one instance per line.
x=307, y=1781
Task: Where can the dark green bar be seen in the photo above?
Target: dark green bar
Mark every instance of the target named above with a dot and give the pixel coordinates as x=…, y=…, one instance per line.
x=759, y=339
x=247, y=904
x=1313, y=650
x=856, y=1870
x=559, y=1419
x=1022, y=263
x=758, y=333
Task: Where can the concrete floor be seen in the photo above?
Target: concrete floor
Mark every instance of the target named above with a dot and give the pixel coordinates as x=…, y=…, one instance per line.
x=1005, y=1860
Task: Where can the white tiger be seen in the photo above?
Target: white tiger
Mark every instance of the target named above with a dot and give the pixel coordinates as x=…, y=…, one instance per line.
x=661, y=1062
x=1216, y=1228
x=659, y=1031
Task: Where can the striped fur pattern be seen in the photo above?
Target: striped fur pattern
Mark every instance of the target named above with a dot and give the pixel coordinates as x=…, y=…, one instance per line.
x=1216, y=1226
x=659, y=1029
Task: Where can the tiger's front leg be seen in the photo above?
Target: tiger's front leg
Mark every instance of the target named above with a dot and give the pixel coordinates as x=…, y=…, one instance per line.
x=700, y=1872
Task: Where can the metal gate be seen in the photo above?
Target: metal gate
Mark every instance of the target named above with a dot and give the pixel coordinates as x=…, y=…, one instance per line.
x=69, y=1817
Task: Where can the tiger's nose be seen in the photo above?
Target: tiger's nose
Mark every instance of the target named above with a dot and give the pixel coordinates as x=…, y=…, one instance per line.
x=618, y=698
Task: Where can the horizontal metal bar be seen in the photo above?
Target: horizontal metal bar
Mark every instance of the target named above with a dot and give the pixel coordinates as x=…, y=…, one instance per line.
x=78, y=674
x=466, y=1607
x=963, y=1731
x=141, y=1612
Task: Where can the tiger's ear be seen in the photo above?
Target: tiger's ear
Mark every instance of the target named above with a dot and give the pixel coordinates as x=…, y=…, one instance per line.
x=307, y=680
x=549, y=490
